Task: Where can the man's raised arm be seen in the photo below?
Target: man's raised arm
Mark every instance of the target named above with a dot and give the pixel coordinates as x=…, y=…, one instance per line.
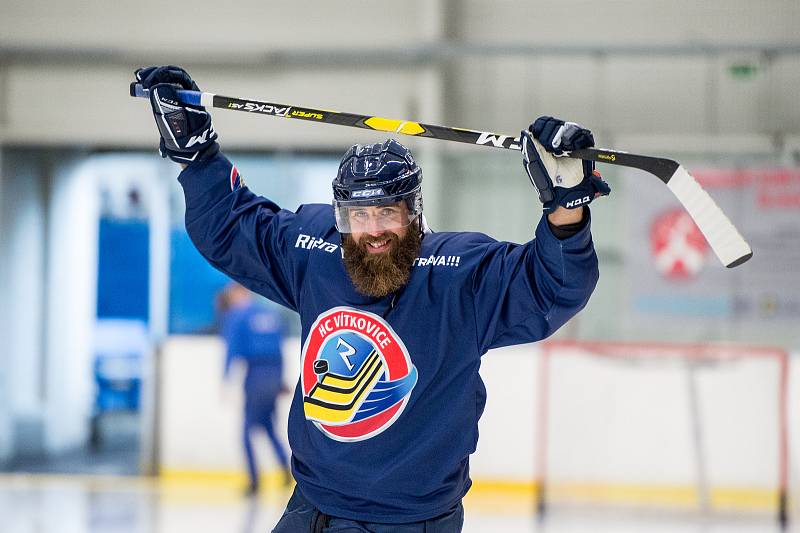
x=239, y=233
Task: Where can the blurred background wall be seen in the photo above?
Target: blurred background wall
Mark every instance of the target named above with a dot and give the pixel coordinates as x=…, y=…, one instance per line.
x=713, y=84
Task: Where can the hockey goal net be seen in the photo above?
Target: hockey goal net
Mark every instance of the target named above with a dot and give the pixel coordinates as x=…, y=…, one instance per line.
x=700, y=425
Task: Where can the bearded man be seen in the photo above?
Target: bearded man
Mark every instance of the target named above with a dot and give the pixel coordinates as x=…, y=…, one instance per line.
x=395, y=318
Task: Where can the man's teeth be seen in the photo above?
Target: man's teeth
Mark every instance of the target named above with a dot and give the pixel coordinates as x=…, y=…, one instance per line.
x=378, y=244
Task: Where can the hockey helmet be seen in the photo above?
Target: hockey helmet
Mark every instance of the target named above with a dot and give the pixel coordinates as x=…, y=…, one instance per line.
x=377, y=175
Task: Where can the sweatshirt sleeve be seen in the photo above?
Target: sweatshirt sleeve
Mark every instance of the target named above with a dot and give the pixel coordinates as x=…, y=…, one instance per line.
x=243, y=235
x=524, y=293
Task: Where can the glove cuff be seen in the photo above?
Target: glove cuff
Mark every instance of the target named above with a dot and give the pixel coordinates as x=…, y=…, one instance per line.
x=584, y=193
x=187, y=158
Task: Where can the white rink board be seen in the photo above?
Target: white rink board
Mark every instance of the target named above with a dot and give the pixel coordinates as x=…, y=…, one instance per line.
x=200, y=428
x=629, y=422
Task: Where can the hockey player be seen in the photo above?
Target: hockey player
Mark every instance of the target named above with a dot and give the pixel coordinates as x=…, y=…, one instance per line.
x=253, y=336
x=395, y=318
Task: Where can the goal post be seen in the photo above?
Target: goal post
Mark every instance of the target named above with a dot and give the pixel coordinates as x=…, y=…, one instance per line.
x=664, y=424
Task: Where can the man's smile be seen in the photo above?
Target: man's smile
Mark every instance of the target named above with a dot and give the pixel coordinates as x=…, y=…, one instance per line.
x=379, y=246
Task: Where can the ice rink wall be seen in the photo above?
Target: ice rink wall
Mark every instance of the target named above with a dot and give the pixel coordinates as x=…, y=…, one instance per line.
x=616, y=432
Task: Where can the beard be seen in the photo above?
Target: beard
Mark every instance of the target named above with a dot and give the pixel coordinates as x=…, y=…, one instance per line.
x=381, y=274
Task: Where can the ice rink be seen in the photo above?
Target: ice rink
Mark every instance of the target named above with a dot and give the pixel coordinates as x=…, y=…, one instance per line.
x=135, y=505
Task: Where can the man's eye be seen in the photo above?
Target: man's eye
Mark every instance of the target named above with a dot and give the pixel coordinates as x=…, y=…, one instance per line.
x=360, y=214
x=388, y=212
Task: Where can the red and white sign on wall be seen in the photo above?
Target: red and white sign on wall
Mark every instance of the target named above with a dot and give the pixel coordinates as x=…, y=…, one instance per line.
x=774, y=188
x=677, y=245
x=673, y=271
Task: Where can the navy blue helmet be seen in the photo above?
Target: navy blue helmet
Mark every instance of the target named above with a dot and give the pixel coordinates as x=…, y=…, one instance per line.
x=377, y=175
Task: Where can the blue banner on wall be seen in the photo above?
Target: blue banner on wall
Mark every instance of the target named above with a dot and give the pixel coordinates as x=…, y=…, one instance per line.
x=193, y=285
x=123, y=269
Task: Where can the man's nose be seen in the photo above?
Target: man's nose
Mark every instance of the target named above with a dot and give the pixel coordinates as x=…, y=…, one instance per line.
x=374, y=227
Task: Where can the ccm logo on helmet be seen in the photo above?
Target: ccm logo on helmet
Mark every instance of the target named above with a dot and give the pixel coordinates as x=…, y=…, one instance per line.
x=367, y=193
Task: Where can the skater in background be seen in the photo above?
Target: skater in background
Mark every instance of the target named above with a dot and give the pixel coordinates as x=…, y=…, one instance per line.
x=253, y=335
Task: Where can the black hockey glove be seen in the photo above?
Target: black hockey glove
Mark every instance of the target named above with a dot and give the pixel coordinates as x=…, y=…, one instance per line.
x=187, y=133
x=560, y=180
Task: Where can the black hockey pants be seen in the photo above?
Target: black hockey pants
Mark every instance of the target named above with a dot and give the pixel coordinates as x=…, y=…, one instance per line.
x=300, y=517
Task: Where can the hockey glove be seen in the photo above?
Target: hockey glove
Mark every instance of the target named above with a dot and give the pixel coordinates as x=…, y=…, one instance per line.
x=187, y=133
x=560, y=180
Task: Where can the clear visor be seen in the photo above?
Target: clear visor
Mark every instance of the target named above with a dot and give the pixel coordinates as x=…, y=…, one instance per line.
x=373, y=218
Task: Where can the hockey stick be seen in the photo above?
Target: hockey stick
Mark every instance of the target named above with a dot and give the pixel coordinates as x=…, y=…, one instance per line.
x=726, y=241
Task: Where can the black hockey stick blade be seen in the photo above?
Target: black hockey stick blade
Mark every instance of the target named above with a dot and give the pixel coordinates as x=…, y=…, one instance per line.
x=720, y=233
x=723, y=237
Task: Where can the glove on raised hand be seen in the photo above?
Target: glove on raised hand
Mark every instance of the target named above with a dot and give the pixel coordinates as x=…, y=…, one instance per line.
x=187, y=133
x=560, y=180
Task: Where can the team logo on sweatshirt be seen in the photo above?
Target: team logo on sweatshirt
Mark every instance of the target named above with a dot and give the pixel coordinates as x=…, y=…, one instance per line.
x=236, y=180
x=356, y=376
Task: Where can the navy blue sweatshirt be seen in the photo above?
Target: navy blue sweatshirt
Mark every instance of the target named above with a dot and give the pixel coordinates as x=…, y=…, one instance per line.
x=385, y=412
